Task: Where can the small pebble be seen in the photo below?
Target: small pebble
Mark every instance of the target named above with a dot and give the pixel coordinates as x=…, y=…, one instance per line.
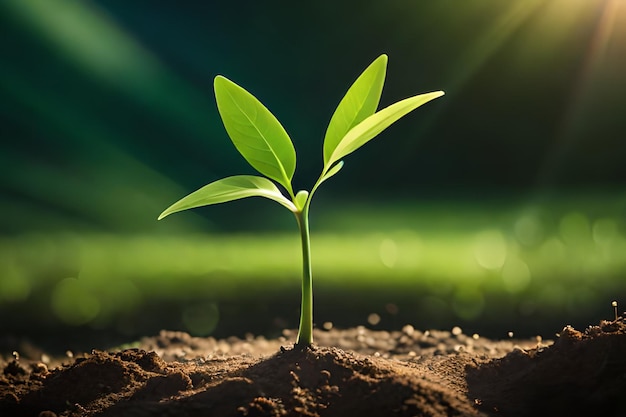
x=373, y=319
x=408, y=330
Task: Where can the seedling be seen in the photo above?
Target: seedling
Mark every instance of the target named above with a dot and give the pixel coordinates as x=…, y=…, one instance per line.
x=263, y=142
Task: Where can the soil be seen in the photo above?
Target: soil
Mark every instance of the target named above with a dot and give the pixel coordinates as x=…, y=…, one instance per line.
x=350, y=372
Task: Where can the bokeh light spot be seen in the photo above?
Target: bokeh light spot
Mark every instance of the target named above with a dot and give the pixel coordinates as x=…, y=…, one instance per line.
x=605, y=231
x=468, y=303
x=14, y=285
x=574, y=228
x=373, y=319
x=490, y=249
x=528, y=230
x=73, y=303
x=201, y=319
x=388, y=252
x=515, y=275
x=552, y=252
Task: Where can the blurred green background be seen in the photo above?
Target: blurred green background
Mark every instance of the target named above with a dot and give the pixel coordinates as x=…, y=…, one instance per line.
x=499, y=207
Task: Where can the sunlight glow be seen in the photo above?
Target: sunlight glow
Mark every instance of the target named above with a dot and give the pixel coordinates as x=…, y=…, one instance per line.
x=90, y=37
x=92, y=40
x=490, y=39
x=98, y=181
x=602, y=64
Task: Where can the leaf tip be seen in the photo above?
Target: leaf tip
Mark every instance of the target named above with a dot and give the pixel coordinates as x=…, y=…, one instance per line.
x=381, y=60
x=220, y=80
x=166, y=212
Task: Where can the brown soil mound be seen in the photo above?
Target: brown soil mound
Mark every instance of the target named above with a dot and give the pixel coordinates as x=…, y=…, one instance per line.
x=348, y=372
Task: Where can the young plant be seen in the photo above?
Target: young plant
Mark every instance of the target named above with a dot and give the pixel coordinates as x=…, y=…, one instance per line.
x=264, y=143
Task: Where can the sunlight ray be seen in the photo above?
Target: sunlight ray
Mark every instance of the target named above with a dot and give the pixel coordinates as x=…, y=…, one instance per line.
x=107, y=185
x=93, y=41
x=490, y=40
x=487, y=43
x=583, y=91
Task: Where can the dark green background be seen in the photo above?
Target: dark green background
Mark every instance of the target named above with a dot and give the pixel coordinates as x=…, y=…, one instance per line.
x=108, y=111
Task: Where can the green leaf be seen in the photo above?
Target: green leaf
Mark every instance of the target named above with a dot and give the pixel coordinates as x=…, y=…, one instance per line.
x=360, y=101
x=229, y=189
x=256, y=133
x=301, y=199
x=369, y=128
x=335, y=169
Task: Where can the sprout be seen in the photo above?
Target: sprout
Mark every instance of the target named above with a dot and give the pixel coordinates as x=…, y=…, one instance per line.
x=265, y=145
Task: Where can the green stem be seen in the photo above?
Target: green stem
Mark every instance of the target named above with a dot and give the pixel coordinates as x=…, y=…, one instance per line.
x=305, y=332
